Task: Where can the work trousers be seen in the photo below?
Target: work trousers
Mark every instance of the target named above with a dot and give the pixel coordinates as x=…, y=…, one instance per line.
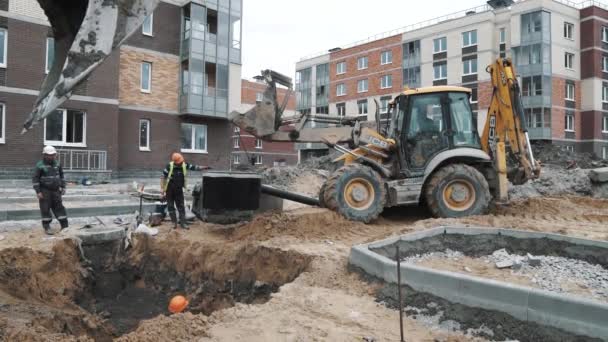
x=52, y=202
x=175, y=198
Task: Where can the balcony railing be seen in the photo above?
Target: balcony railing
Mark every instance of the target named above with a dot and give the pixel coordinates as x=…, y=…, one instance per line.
x=83, y=160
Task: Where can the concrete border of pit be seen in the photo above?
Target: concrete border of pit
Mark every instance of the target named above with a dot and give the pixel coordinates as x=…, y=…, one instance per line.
x=567, y=312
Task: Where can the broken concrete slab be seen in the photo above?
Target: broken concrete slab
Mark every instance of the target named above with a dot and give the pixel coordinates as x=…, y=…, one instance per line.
x=599, y=175
x=532, y=260
x=95, y=236
x=505, y=264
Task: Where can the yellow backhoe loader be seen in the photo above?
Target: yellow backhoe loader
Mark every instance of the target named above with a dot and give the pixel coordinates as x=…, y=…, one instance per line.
x=428, y=151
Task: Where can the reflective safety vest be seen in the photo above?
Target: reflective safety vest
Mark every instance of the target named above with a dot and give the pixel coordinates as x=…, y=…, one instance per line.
x=171, y=167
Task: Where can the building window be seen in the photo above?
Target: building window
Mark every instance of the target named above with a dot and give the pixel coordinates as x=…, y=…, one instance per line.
x=605, y=93
x=605, y=152
x=259, y=97
x=194, y=138
x=469, y=38
x=570, y=148
x=259, y=160
x=570, y=91
x=386, y=57
x=236, y=142
x=258, y=143
x=3, y=47
x=605, y=34
x=362, y=106
x=532, y=86
x=469, y=67
x=502, y=35
x=386, y=81
x=2, y=123
x=236, y=159
x=362, y=63
x=568, y=30
x=605, y=63
x=147, y=27
x=237, y=129
x=604, y=122
x=322, y=110
x=341, y=108
x=50, y=54
x=146, y=77
x=440, y=45
x=144, y=135
x=65, y=128
x=341, y=68
x=569, y=123
x=473, y=95
x=440, y=72
x=569, y=60
x=341, y=89
x=384, y=103
x=362, y=86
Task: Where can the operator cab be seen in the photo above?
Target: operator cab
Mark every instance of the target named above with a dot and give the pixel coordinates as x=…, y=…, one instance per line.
x=431, y=120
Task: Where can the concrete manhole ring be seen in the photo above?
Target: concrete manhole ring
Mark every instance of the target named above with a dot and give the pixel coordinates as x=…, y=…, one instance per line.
x=96, y=236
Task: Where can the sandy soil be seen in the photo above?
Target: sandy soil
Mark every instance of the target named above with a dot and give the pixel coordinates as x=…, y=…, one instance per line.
x=324, y=303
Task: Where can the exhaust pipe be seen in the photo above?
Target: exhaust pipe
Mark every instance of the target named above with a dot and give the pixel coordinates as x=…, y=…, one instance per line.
x=86, y=32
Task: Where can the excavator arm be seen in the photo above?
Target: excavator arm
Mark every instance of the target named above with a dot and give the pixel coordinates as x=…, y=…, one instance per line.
x=505, y=135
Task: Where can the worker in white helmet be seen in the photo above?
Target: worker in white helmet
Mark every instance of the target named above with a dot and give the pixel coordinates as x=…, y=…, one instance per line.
x=50, y=186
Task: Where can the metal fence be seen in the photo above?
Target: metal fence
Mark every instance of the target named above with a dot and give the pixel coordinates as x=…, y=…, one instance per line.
x=83, y=160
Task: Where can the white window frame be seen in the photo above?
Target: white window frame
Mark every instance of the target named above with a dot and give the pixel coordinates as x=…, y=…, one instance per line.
x=569, y=91
x=604, y=152
x=384, y=108
x=604, y=94
x=386, y=81
x=605, y=124
x=477, y=99
x=259, y=97
x=258, y=144
x=190, y=150
x=3, y=132
x=236, y=159
x=143, y=26
x=340, y=68
x=237, y=129
x=236, y=142
x=442, y=47
x=502, y=36
x=568, y=28
x=470, y=34
x=259, y=160
x=569, y=59
x=341, y=89
x=569, y=128
x=388, y=60
x=363, y=82
x=470, y=64
x=141, y=78
x=570, y=148
x=362, y=63
x=147, y=147
x=442, y=66
x=47, y=65
x=363, y=105
x=605, y=63
x=5, y=62
x=339, y=106
x=64, y=131
x=605, y=34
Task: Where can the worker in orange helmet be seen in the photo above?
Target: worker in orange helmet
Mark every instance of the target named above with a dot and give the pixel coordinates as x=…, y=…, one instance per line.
x=172, y=187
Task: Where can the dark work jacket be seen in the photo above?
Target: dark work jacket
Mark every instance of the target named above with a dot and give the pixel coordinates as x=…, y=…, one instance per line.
x=48, y=175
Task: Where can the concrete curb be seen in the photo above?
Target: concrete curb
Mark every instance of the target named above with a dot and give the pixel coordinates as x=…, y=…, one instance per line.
x=567, y=312
x=34, y=214
x=67, y=199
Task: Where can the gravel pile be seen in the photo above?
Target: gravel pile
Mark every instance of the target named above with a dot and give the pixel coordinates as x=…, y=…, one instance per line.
x=447, y=254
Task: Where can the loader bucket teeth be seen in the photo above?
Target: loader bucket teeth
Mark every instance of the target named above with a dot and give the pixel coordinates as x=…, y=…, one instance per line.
x=86, y=32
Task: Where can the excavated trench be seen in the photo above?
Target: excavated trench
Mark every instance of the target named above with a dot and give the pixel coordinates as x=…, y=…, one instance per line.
x=111, y=292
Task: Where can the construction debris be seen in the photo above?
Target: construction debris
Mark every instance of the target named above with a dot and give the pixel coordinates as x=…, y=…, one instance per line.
x=599, y=175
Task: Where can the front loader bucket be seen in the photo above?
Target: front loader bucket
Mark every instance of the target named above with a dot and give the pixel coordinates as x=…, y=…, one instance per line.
x=85, y=32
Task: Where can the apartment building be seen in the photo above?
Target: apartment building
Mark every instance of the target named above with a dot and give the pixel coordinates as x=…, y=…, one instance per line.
x=559, y=48
x=247, y=149
x=169, y=88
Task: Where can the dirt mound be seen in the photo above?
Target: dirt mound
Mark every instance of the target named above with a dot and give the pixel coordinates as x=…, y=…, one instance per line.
x=179, y=327
x=548, y=153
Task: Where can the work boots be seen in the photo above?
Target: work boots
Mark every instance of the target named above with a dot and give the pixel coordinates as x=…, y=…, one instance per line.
x=47, y=229
x=184, y=225
x=173, y=220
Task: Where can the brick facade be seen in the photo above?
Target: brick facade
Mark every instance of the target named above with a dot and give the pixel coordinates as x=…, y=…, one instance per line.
x=165, y=79
x=484, y=94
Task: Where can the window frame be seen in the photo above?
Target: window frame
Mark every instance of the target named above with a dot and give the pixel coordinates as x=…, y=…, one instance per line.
x=476, y=92
x=236, y=159
x=147, y=147
x=338, y=72
x=568, y=87
x=341, y=105
x=365, y=64
x=445, y=47
x=569, y=123
x=569, y=26
x=389, y=85
x=259, y=97
x=4, y=62
x=193, y=150
x=65, y=129
x=569, y=148
x=363, y=81
x=363, y=104
x=605, y=124
x=3, y=131
x=470, y=34
x=258, y=144
x=237, y=129
x=143, y=26
x=384, y=109
x=568, y=60
x=605, y=34
x=469, y=62
x=502, y=35
x=388, y=60
x=341, y=86
x=605, y=64
x=47, y=65
x=604, y=93
x=141, y=78
x=604, y=152
x=259, y=160
x=236, y=142
x=446, y=72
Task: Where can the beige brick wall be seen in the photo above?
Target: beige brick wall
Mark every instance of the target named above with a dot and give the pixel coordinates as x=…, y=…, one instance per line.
x=28, y=8
x=165, y=79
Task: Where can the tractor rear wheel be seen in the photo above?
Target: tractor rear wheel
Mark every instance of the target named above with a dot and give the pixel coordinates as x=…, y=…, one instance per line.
x=357, y=192
x=457, y=190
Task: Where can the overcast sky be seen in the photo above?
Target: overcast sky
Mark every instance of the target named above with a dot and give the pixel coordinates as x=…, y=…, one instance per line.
x=277, y=33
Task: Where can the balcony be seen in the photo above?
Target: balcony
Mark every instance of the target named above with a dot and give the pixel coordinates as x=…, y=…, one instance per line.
x=539, y=133
x=83, y=160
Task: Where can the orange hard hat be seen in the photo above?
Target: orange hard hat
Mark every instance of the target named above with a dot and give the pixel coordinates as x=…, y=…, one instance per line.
x=177, y=158
x=178, y=304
